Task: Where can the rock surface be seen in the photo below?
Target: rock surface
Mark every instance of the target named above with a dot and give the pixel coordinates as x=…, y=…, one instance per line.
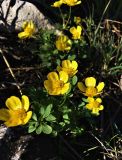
x=12, y=16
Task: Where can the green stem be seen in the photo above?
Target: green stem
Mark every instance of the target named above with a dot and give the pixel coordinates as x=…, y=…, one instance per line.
x=62, y=16
x=68, y=18
x=63, y=101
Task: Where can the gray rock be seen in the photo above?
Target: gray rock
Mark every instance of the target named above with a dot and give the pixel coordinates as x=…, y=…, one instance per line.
x=12, y=17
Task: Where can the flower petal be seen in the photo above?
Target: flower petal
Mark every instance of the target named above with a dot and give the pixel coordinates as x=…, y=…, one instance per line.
x=57, y=4
x=95, y=111
x=89, y=106
x=13, y=103
x=90, y=82
x=25, y=102
x=52, y=76
x=74, y=65
x=101, y=107
x=63, y=76
x=72, y=30
x=23, y=35
x=65, y=88
x=13, y=122
x=4, y=114
x=81, y=86
x=48, y=85
x=99, y=100
x=54, y=92
x=29, y=114
x=79, y=29
x=90, y=99
x=66, y=64
x=100, y=86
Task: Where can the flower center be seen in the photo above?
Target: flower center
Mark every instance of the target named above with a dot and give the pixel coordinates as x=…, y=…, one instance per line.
x=29, y=30
x=91, y=91
x=58, y=85
x=21, y=114
x=96, y=104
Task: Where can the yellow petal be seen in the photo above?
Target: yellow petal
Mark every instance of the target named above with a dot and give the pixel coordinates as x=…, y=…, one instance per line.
x=13, y=103
x=90, y=99
x=65, y=88
x=48, y=85
x=29, y=114
x=4, y=114
x=54, y=92
x=63, y=76
x=25, y=102
x=52, y=76
x=99, y=100
x=89, y=106
x=31, y=25
x=74, y=65
x=95, y=111
x=79, y=29
x=24, y=24
x=81, y=86
x=23, y=35
x=100, y=86
x=12, y=122
x=57, y=4
x=90, y=82
x=66, y=64
x=72, y=30
x=101, y=107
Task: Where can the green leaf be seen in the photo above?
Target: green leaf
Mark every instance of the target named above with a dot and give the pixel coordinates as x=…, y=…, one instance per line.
x=31, y=129
x=66, y=118
x=51, y=118
x=54, y=133
x=39, y=129
x=74, y=80
x=72, y=57
x=85, y=100
x=34, y=117
x=42, y=110
x=47, y=111
x=82, y=104
x=62, y=124
x=46, y=129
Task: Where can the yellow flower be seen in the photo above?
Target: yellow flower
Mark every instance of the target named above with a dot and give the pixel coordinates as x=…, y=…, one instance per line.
x=70, y=67
x=71, y=2
x=76, y=32
x=29, y=29
x=57, y=3
x=57, y=84
x=95, y=105
x=63, y=43
x=90, y=89
x=77, y=20
x=16, y=114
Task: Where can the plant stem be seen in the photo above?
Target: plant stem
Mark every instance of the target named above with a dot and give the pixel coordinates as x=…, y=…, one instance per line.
x=68, y=18
x=10, y=70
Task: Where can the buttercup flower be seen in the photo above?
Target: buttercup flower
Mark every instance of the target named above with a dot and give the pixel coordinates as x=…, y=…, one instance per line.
x=57, y=84
x=16, y=114
x=76, y=32
x=94, y=105
x=29, y=29
x=57, y=3
x=71, y=2
x=70, y=67
x=90, y=89
x=63, y=43
x=77, y=20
